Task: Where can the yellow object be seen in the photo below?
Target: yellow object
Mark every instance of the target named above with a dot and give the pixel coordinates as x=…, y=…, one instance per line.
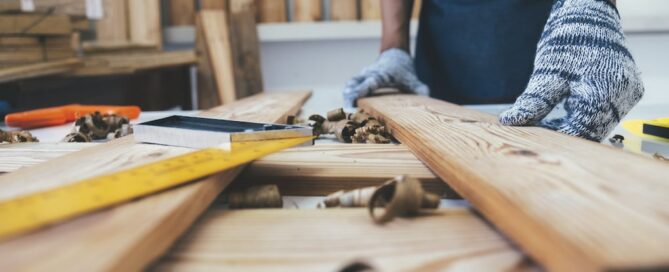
x=635, y=126
x=37, y=210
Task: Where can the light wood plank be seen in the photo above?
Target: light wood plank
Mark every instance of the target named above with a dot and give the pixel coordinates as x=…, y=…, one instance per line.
x=246, y=48
x=129, y=236
x=326, y=240
x=417, y=5
x=323, y=169
x=128, y=63
x=272, y=11
x=305, y=171
x=307, y=10
x=215, y=41
x=572, y=204
x=56, y=7
x=144, y=22
x=35, y=24
x=343, y=10
x=370, y=9
x=216, y=4
x=39, y=69
x=113, y=27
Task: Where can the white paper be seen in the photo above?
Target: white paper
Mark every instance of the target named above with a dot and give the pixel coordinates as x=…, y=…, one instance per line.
x=94, y=9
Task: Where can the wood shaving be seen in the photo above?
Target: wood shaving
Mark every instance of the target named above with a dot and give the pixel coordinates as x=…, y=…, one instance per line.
x=98, y=127
x=265, y=196
x=356, y=127
x=17, y=137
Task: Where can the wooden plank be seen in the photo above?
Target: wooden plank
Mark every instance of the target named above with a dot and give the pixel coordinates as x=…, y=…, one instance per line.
x=307, y=10
x=246, y=48
x=370, y=9
x=323, y=169
x=127, y=63
x=182, y=12
x=56, y=7
x=304, y=171
x=34, y=24
x=144, y=22
x=19, y=55
x=327, y=240
x=17, y=156
x=37, y=70
x=113, y=27
x=215, y=43
x=572, y=204
x=216, y=4
x=344, y=10
x=272, y=11
x=19, y=41
x=130, y=236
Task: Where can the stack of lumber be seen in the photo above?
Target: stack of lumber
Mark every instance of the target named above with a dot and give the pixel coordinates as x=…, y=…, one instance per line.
x=40, y=32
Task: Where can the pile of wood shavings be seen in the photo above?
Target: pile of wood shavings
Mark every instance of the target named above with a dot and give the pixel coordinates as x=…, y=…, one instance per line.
x=356, y=127
x=12, y=137
x=98, y=127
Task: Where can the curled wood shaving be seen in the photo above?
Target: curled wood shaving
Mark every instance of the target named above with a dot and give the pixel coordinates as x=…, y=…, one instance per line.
x=98, y=127
x=17, y=137
x=404, y=197
x=349, y=199
x=265, y=196
x=357, y=127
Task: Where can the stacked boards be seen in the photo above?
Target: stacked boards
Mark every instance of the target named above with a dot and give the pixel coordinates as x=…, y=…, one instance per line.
x=131, y=235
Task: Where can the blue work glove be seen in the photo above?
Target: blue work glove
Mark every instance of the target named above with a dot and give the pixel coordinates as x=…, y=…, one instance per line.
x=581, y=59
x=393, y=69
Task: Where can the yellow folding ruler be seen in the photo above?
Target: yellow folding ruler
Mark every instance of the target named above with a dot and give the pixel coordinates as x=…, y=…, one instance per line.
x=40, y=209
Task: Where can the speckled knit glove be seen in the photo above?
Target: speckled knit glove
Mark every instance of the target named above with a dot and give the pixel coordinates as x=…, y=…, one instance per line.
x=393, y=69
x=581, y=57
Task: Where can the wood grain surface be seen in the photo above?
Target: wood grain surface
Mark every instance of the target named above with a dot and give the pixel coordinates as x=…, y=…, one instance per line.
x=215, y=50
x=181, y=12
x=35, y=24
x=113, y=27
x=129, y=236
x=572, y=204
x=246, y=48
x=38, y=69
x=451, y=239
x=304, y=171
x=344, y=10
x=272, y=11
x=144, y=22
x=307, y=10
x=323, y=169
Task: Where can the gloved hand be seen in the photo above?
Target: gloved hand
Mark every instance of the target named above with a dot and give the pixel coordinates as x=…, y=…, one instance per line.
x=393, y=69
x=581, y=56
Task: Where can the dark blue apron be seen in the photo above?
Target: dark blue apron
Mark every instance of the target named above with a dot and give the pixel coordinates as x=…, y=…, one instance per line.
x=479, y=51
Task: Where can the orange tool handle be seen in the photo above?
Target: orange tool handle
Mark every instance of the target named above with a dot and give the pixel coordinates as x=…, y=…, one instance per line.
x=62, y=114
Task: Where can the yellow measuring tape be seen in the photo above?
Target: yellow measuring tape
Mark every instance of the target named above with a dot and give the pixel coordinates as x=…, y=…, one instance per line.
x=40, y=209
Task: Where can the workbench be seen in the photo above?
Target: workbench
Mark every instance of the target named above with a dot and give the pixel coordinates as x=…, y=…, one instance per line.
x=276, y=238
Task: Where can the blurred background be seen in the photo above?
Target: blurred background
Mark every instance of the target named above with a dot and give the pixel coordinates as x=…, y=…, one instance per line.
x=137, y=51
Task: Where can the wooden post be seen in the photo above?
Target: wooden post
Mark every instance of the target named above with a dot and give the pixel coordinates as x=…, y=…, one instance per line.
x=370, y=9
x=182, y=12
x=272, y=11
x=307, y=10
x=215, y=4
x=215, y=59
x=344, y=10
x=113, y=27
x=144, y=22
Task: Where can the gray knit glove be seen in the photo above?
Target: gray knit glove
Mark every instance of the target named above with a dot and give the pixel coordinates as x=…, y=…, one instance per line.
x=581, y=57
x=393, y=69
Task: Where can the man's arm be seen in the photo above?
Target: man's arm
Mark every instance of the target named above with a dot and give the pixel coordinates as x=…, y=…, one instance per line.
x=395, y=16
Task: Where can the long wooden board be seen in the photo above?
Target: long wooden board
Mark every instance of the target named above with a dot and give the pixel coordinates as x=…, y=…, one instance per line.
x=326, y=240
x=35, y=24
x=307, y=11
x=38, y=69
x=127, y=237
x=572, y=204
x=323, y=169
x=304, y=171
x=144, y=22
x=215, y=59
